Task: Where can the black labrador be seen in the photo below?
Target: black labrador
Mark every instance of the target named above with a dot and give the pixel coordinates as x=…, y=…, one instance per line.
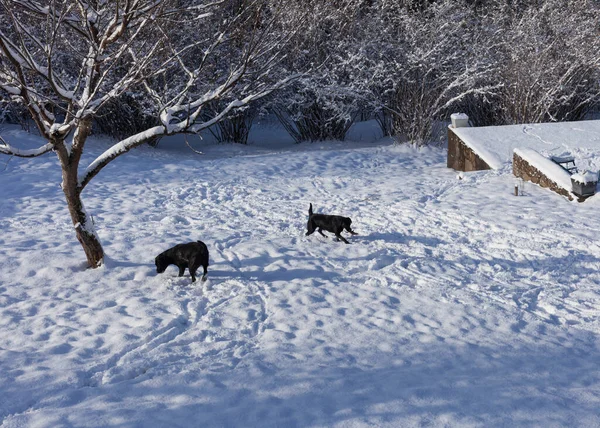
x=331, y=223
x=191, y=255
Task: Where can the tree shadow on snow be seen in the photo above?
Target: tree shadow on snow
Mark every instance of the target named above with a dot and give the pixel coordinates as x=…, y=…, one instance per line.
x=113, y=263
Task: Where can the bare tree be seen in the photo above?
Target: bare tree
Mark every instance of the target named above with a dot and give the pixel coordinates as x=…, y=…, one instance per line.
x=66, y=59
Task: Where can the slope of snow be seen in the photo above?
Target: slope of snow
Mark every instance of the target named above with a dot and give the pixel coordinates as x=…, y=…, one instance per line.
x=458, y=304
x=495, y=144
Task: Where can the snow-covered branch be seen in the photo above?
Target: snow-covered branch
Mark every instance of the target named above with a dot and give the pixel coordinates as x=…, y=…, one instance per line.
x=7, y=149
x=188, y=126
x=117, y=150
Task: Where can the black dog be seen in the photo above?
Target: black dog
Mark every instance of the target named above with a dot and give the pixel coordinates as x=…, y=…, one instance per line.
x=331, y=223
x=191, y=255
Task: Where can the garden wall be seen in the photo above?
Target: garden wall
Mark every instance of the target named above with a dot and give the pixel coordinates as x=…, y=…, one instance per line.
x=461, y=157
x=524, y=170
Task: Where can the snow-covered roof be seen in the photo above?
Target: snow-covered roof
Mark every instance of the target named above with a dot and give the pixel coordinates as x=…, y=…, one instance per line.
x=495, y=144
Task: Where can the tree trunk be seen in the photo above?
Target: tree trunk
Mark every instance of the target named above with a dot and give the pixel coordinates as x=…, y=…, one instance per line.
x=84, y=226
x=84, y=229
x=82, y=222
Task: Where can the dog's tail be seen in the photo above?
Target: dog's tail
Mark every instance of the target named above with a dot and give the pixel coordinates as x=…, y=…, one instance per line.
x=310, y=211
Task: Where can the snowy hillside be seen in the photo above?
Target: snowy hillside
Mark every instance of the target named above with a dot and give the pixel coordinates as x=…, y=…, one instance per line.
x=458, y=304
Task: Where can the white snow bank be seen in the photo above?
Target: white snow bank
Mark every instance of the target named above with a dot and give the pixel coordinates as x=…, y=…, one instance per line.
x=495, y=144
x=549, y=168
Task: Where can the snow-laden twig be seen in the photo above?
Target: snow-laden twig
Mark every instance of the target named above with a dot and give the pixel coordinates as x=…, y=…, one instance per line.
x=7, y=149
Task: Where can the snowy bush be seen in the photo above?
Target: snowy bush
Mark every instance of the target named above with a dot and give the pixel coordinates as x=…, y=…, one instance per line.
x=124, y=116
x=235, y=128
x=550, y=61
x=312, y=111
x=323, y=104
x=411, y=63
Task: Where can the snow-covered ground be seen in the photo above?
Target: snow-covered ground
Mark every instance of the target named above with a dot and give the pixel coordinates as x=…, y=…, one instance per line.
x=458, y=304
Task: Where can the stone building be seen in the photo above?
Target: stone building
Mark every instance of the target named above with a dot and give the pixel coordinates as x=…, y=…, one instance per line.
x=529, y=149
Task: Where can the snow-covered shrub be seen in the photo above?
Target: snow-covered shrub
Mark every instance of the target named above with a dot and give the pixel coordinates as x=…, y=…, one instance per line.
x=314, y=111
x=411, y=63
x=323, y=104
x=124, y=116
x=15, y=114
x=550, y=55
x=235, y=128
x=443, y=61
x=314, y=122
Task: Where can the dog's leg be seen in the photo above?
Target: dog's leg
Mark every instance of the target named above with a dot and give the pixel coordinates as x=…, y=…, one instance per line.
x=205, y=273
x=311, y=228
x=181, y=269
x=321, y=232
x=194, y=265
x=338, y=236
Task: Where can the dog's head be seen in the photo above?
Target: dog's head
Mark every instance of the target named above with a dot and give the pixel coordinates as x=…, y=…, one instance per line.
x=347, y=221
x=161, y=263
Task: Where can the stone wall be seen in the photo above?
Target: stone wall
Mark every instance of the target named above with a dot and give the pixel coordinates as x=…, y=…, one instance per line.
x=461, y=157
x=522, y=169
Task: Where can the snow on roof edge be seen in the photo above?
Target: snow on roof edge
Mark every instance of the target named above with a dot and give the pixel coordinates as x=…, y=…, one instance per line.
x=549, y=168
x=488, y=157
